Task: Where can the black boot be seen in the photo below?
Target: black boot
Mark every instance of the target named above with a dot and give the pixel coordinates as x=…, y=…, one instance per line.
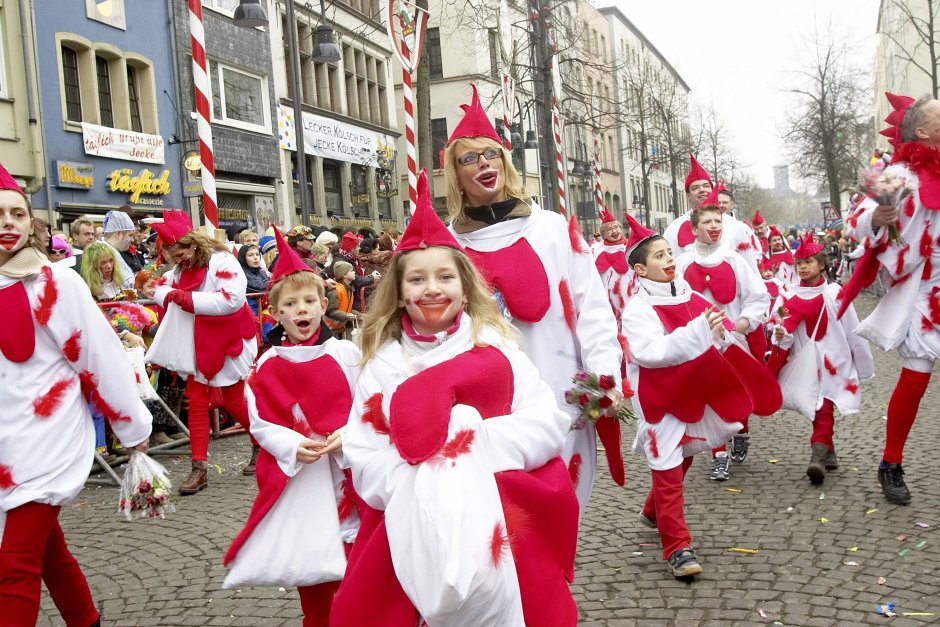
x=249, y=469
x=816, y=471
x=891, y=478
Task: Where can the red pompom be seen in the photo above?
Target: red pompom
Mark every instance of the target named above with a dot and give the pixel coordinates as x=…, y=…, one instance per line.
x=48, y=298
x=373, y=414
x=459, y=444
x=45, y=405
x=72, y=349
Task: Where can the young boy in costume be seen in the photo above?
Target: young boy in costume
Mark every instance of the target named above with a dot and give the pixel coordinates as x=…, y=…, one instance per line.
x=304, y=518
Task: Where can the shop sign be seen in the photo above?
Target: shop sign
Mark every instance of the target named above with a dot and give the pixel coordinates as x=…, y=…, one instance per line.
x=191, y=189
x=331, y=139
x=143, y=182
x=115, y=143
x=74, y=175
x=192, y=161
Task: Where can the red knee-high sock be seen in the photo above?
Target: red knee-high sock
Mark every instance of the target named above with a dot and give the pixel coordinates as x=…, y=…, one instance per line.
x=670, y=517
x=32, y=543
x=824, y=424
x=902, y=410
x=198, y=394
x=233, y=399
x=649, y=507
x=316, y=601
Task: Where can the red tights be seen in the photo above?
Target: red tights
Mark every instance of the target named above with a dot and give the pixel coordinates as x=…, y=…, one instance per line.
x=902, y=410
x=317, y=601
x=664, y=504
x=32, y=551
x=233, y=400
x=824, y=424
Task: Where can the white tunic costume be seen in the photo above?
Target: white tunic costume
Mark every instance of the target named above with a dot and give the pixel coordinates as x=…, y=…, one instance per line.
x=738, y=235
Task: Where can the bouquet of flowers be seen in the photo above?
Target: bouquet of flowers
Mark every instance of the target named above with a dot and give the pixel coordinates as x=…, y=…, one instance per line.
x=595, y=395
x=132, y=317
x=885, y=189
x=145, y=490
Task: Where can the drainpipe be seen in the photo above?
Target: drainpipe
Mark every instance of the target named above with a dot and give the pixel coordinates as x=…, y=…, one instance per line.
x=37, y=138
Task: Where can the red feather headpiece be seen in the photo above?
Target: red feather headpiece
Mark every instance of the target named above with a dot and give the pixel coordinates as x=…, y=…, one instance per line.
x=175, y=225
x=758, y=219
x=607, y=216
x=900, y=104
x=808, y=247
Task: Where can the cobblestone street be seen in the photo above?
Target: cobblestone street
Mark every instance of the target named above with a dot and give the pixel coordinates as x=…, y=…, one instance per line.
x=819, y=552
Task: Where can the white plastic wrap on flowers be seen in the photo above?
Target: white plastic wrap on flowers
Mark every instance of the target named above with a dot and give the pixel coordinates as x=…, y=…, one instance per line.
x=145, y=490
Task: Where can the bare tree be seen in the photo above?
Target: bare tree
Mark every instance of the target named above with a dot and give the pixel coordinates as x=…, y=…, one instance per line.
x=914, y=28
x=713, y=145
x=830, y=129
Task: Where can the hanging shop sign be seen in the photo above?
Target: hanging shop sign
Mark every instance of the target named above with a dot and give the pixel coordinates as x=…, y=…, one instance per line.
x=331, y=139
x=192, y=189
x=192, y=161
x=115, y=143
x=142, y=183
x=74, y=175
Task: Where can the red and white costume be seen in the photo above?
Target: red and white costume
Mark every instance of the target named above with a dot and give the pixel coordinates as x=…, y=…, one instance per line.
x=756, y=221
x=693, y=390
x=57, y=354
x=783, y=261
x=458, y=442
x=618, y=277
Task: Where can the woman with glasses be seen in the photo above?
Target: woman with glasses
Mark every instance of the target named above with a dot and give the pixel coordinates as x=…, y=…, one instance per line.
x=59, y=249
x=543, y=277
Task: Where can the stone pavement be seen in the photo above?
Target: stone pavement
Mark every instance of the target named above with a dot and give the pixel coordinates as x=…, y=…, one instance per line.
x=820, y=550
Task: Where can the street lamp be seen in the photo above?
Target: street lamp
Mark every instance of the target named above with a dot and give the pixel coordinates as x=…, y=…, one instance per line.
x=249, y=14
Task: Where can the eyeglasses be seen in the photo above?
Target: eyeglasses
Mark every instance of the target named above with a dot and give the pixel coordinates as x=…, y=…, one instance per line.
x=472, y=157
x=59, y=251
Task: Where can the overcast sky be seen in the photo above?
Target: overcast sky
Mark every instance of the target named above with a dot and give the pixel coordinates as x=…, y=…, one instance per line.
x=740, y=55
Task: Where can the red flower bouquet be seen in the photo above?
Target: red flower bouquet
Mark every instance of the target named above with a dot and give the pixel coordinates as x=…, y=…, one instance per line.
x=596, y=396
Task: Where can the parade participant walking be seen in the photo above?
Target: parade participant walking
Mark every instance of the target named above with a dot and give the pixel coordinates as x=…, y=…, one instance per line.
x=610, y=258
x=544, y=278
x=781, y=257
x=455, y=437
x=57, y=354
x=694, y=386
x=843, y=360
x=761, y=232
x=727, y=281
x=304, y=519
x=900, y=246
x=207, y=334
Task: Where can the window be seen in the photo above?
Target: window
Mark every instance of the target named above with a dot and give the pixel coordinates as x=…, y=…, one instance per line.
x=105, y=109
x=73, y=92
x=494, y=52
x=223, y=6
x=3, y=67
x=433, y=43
x=332, y=188
x=133, y=97
x=238, y=98
x=438, y=141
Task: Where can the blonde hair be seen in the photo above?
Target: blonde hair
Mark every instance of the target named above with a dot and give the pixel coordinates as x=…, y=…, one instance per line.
x=295, y=280
x=204, y=247
x=244, y=235
x=456, y=200
x=92, y=257
x=383, y=321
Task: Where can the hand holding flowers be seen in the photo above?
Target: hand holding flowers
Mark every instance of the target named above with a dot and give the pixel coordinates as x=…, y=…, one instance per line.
x=597, y=396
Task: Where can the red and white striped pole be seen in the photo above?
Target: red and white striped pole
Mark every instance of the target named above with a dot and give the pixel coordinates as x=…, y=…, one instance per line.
x=559, y=159
x=508, y=102
x=598, y=189
x=410, y=126
x=203, y=113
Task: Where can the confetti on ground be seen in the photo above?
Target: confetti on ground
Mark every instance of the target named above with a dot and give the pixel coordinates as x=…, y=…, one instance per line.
x=789, y=509
x=761, y=612
x=854, y=549
x=646, y=544
x=735, y=490
x=922, y=525
x=902, y=537
x=903, y=552
x=824, y=520
x=773, y=461
x=921, y=544
x=217, y=468
x=881, y=581
x=638, y=552
x=618, y=569
x=851, y=563
x=736, y=549
x=871, y=511
x=916, y=613
x=886, y=609
x=822, y=496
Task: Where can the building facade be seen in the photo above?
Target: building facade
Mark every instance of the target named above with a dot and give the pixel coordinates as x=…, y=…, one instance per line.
x=106, y=124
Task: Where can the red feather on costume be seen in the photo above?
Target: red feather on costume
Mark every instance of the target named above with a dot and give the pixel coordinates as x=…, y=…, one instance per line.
x=567, y=304
x=934, y=302
x=459, y=444
x=926, y=242
x=518, y=523
x=909, y=207
x=345, y=506
x=499, y=543
x=45, y=405
x=578, y=245
x=829, y=367
x=928, y=270
x=743, y=246
x=224, y=274
x=900, y=265
x=851, y=386
x=374, y=416
x=925, y=324
x=574, y=468
x=225, y=293
x=92, y=395
x=48, y=298
x=627, y=389
x=654, y=447
x=6, y=477
x=72, y=349
x=161, y=280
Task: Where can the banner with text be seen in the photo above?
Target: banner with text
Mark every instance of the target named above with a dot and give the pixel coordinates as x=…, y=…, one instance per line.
x=115, y=143
x=332, y=139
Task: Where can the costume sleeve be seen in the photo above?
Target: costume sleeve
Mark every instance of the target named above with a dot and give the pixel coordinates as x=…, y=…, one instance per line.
x=94, y=351
x=282, y=443
x=595, y=326
x=755, y=300
x=231, y=283
x=165, y=286
x=652, y=347
x=376, y=466
x=861, y=351
x=535, y=430
x=862, y=229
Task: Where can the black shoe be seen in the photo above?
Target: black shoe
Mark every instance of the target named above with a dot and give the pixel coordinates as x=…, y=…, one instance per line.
x=739, y=444
x=891, y=478
x=720, y=469
x=682, y=563
x=816, y=471
x=830, y=461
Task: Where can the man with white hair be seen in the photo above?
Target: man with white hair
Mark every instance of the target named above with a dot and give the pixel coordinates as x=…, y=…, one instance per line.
x=118, y=234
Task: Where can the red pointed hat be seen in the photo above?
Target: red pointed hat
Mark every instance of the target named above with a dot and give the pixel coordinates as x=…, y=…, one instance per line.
x=698, y=173
x=765, y=263
x=8, y=182
x=712, y=198
x=175, y=225
x=607, y=216
x=475, y=122
x=900, y=104
x=808, y=247
x=638, y=232
x=288, y=261
x=774, y=231
x=758, y=219
x=425, y=228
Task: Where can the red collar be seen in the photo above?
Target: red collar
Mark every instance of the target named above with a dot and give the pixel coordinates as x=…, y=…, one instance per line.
x=822, y=280
x=409, y=328
x=310, y=341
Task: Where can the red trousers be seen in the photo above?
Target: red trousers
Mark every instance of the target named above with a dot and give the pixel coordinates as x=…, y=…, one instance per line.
x=233, y=400
x=33, y=550
x=316, y=601
x=664, y=504
x=824, y=424
x=902, y=410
